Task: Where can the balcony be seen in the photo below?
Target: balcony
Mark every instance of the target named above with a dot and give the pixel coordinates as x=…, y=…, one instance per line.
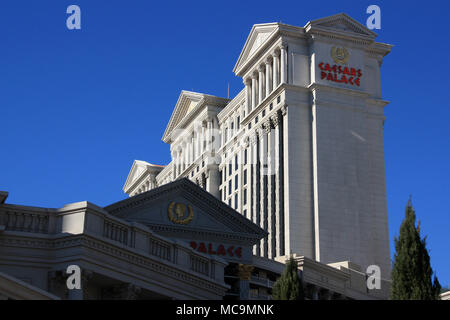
x=262, y=281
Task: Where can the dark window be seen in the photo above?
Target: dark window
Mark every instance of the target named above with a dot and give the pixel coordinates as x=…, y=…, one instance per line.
x=229, y=202
x=238, y=124
x=236, y=162
x=224, y=192
x=236, y=201
x=245, y=197
x=264, y=113
x=230, y=168
x=278, y=99
x=236, y=182
x=271, y=106
x=245, y=213
x=245, y=177
x=229, y=187
x=249, y=125
x=245, y=156
x=256, y=120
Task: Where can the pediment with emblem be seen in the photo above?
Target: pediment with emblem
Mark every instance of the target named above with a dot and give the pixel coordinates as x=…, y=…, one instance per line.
x=181, y=209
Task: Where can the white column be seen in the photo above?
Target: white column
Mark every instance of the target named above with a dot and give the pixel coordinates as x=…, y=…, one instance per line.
x=283, y=64
x=248, y=96
x=261, y=84
x=275, y=72
x=254, y=85
x=209, y=130
x=193, y=148
x=203, y=138
x=268, y=77
x=263, y=189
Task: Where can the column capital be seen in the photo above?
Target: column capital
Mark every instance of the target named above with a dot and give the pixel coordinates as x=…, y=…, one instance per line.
x=247, y=81
x=275, y=119
x=276, y=53
x=261, y=68
x=267, y=126
x=283, y=110
x=268, y=60
x=254, y=76
x=245, y=271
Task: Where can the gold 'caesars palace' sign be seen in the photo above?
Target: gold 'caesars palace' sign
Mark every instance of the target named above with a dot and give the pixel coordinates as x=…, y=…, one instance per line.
x=177, y=213
x=340, y=72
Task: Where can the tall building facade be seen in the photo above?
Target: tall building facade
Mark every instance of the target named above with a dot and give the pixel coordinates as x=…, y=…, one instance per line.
x=299, y=151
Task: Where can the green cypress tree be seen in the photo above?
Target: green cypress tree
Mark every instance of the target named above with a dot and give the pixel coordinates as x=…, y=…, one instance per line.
x=289, y=286
x=411, y=272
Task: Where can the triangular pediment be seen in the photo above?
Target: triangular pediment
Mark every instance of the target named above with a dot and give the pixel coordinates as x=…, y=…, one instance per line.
x=181, y=209
x=259, y=34
x=340, y=23
x=138, y=169
x=188, y=103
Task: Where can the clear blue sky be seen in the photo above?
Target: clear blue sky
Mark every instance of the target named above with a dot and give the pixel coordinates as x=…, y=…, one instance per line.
x=77, y=107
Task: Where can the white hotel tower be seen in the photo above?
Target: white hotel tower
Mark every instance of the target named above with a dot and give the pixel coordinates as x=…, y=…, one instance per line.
x=299, y=151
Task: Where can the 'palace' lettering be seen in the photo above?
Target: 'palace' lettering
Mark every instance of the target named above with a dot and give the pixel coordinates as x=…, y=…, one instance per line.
x=219, y=250
x=340, y=74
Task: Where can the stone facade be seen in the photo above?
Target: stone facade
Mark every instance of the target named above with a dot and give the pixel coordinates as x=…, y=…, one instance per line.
x=299, y=151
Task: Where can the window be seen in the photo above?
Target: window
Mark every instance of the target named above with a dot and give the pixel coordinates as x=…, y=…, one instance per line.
x=224, y=173
x=256, y=120
x=245, y=156
x=278, y=99
x=236, y=201
x=224, y=192
x=220, y=179
x=230, y=167
x=229, y=202
x=271, y=106
x=245, y=177
x=238, y=124
x=264, y=113
x=249, y=125
x=245, y=213
x=245, y=197
x=236, y=162
x=236, y=178
x=229, y=187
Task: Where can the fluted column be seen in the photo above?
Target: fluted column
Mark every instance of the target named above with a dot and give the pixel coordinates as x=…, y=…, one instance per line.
x=277, y=208
x=275, y=72
x=254, y=86
x=256, y=185
x=268, y=77
x=248, y=95
x=261, y=84
x=203, y=138
x=263, y=181
x=271, y=190
x=283, y=57
x=209, y=130
x=193, y=148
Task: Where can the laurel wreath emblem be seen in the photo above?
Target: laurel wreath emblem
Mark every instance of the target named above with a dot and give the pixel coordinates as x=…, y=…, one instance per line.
x=180, y=212
x=340, y=55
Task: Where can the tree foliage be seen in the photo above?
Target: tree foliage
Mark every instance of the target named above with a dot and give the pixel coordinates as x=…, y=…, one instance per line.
x=412, y=273
x=289, y=286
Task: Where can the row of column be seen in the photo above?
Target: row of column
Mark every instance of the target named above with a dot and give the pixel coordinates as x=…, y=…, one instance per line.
x=148, y=185
x=192, y=146
x=266, y=78
x=267, y=200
